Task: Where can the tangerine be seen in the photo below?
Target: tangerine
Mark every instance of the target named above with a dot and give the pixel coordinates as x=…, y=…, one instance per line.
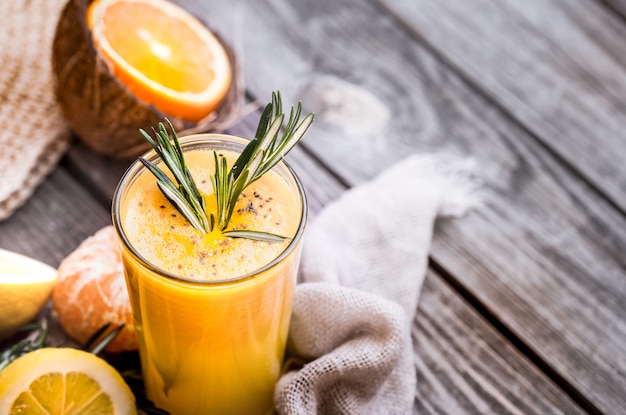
x=91, y=292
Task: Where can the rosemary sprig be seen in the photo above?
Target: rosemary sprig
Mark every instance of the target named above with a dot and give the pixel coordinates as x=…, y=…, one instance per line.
x=97, y=343
x=184, y=196
x=38, y=334
x=258, y=157
x=35, y=340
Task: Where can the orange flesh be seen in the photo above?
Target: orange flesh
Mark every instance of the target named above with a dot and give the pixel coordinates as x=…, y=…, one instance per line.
x=162, y=55
x=210, y=348
x=154, y=46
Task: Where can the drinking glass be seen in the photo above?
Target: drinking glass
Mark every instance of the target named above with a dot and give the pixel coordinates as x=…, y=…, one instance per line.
x=210, y=347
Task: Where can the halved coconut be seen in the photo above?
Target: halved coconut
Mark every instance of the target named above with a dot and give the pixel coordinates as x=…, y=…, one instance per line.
x=100, y=110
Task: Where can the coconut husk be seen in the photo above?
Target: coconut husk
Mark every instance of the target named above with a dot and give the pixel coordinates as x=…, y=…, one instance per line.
x=101, y=111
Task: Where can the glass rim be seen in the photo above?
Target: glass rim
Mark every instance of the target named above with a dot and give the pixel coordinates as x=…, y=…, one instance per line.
x=195, y=139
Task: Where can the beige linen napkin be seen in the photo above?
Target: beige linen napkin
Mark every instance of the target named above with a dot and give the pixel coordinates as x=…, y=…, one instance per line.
x=363, y=263
x=33, y=135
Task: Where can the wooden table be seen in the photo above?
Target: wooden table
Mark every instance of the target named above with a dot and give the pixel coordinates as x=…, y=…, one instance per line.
x=524, y=306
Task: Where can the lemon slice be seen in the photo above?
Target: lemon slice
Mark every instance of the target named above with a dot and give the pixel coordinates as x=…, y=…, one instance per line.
x=25, y=285
x=63, y=381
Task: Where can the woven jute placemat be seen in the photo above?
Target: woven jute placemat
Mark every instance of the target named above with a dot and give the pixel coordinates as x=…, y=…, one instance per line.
x=33, y=134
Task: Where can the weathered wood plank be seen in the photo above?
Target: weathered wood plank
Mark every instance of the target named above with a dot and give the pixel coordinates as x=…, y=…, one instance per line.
x=557, y=66
x=52, y=223
x=465, y=366
x=546, y=253
x=617, y=6
x=96, y=173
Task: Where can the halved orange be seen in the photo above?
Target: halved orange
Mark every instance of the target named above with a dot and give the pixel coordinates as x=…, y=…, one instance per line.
x=162, y=54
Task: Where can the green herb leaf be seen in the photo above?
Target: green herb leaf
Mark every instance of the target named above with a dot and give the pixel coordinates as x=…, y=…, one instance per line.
x=184, y=195
x=255, y=235
x=97, y=343
x=261, y=154
x=258, y=157
x=35, y=340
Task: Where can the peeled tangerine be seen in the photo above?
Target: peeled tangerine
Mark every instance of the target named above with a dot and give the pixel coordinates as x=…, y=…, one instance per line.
x=25, y=286
x=91, y=292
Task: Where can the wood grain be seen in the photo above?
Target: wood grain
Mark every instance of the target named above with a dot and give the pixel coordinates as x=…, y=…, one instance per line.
x=616, y=6
x=52, y=223
x=558, y=67
x=545, y=255
x=465, y=366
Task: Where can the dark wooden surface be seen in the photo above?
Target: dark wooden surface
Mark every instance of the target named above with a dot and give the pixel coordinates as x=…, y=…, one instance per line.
x=524, y=306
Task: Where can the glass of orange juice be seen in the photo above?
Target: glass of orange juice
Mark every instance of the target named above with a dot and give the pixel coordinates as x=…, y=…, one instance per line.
x=211, y=312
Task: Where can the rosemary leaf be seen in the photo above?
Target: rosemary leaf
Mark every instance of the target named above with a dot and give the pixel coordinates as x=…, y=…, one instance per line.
x=183, y=207
x=255, y=235
x=286, y=145
x=185, y=196
x=266, y=116
x=259, y=156
x=93, y=339
x=244, y=158
x=35, y=340
x=106, y=340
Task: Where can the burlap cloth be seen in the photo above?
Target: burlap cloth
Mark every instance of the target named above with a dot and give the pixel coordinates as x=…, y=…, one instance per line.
x=363, y=263
x=33, y=134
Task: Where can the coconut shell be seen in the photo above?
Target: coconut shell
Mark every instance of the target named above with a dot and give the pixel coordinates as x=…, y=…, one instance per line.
x=100, y=110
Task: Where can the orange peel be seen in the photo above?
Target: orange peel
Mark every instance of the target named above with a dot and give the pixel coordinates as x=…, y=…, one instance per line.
x=91, y=292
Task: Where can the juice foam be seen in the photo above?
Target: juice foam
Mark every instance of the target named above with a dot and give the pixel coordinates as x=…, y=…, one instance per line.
x=165, y=238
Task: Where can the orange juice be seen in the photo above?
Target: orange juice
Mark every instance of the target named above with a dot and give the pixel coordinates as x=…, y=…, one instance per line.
x=211, y=312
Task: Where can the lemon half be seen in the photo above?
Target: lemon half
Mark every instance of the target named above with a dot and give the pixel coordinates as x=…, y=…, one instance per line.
x=63, y=381
x=25, y=285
